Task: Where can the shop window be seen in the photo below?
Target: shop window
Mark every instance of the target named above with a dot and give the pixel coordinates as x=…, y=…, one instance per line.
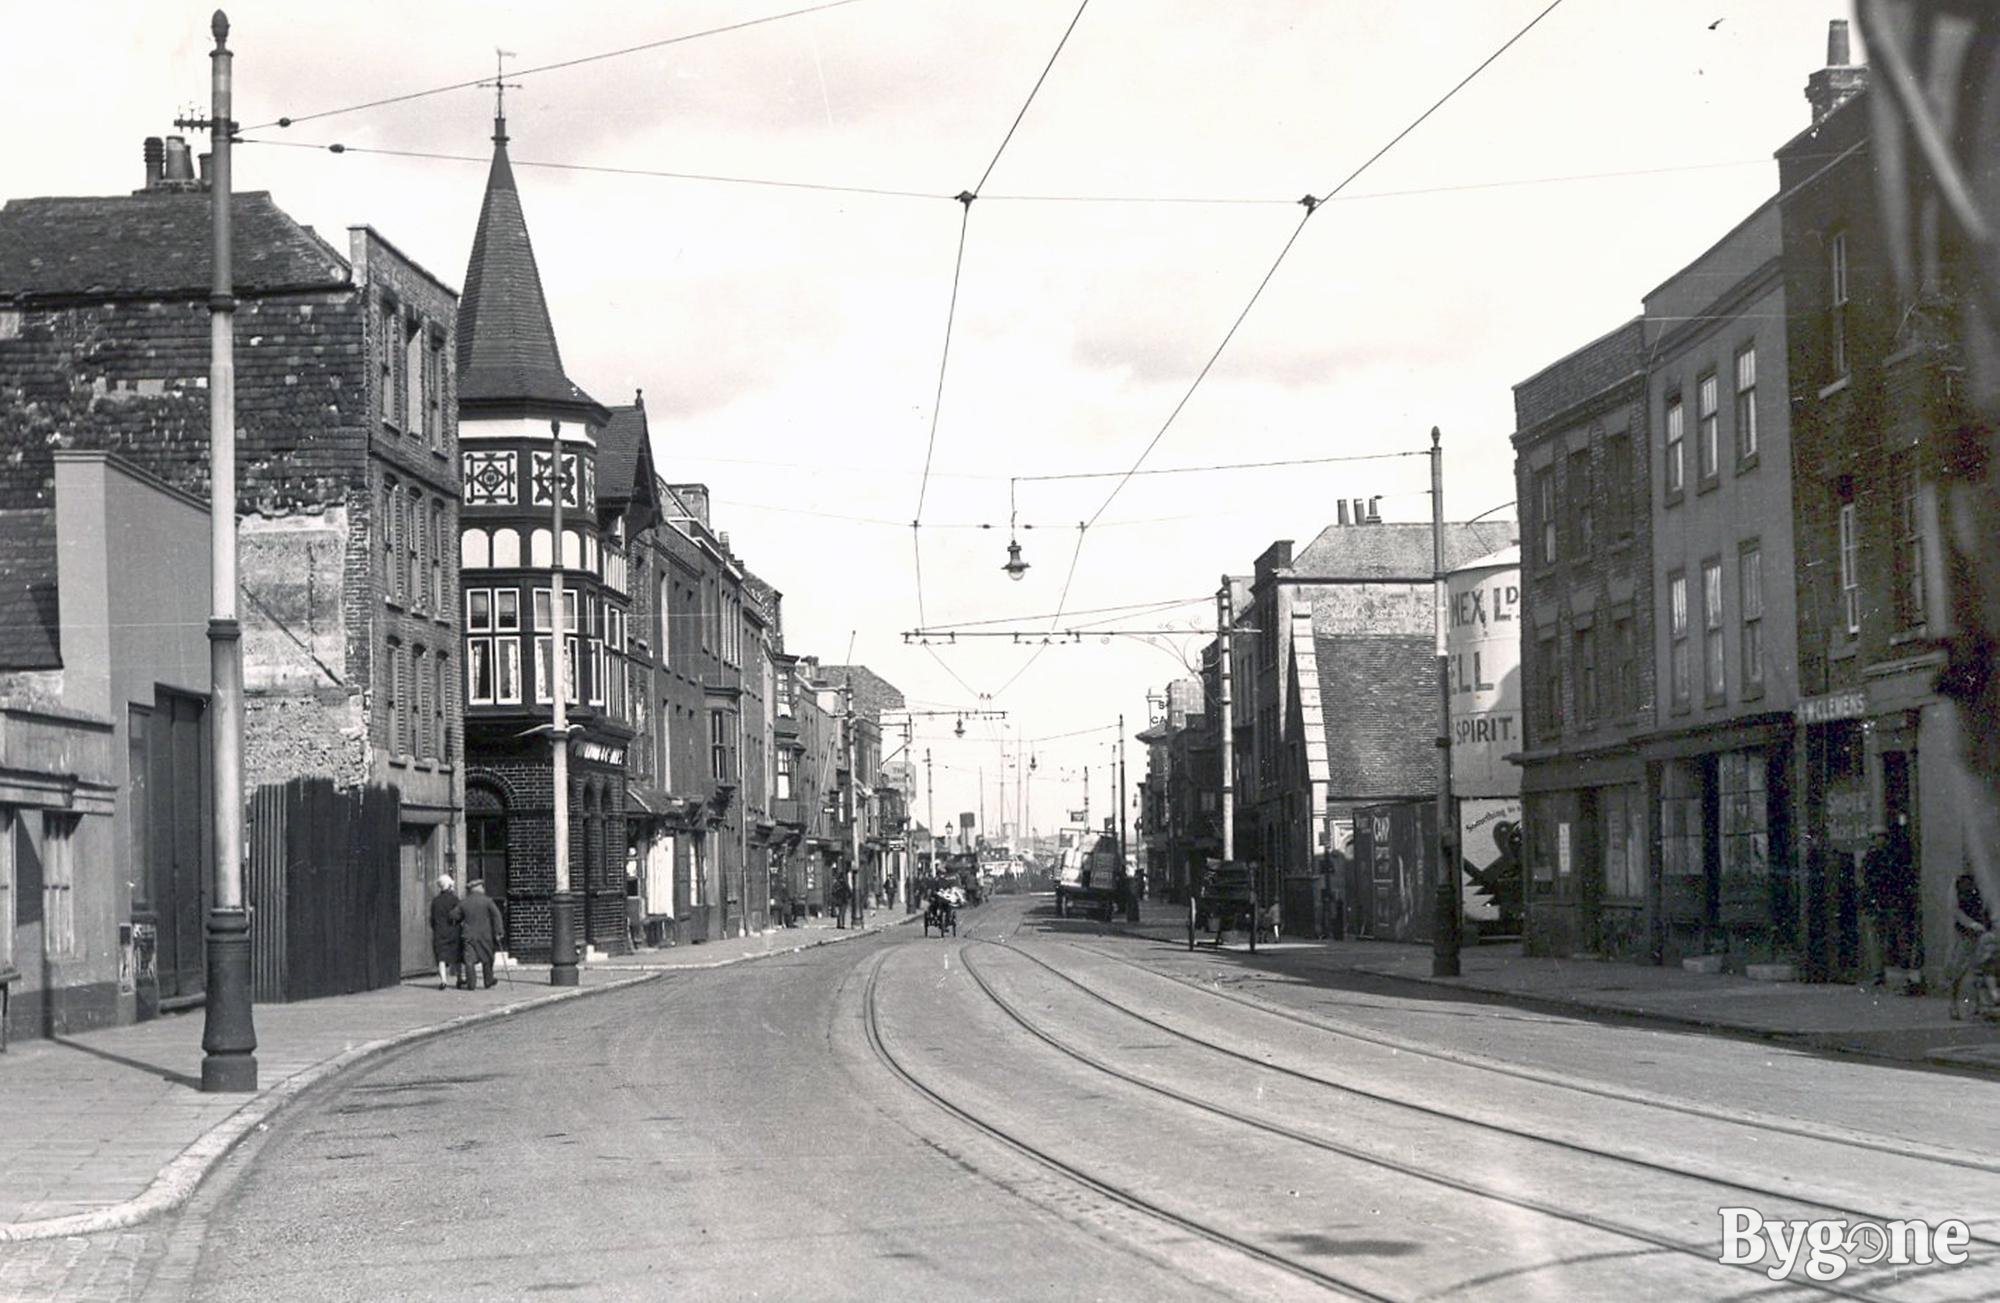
x=1624, y=843
x=1746, y=842
x=1682, y=862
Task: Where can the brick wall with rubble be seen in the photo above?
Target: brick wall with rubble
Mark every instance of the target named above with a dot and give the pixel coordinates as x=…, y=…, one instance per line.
x=131, y=377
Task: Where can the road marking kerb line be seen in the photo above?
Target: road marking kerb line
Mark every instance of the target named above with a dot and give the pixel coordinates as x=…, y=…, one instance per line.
x=178, y=1180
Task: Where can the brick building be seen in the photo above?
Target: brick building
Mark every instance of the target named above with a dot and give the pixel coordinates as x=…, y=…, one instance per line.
x=347, y=475
x=529, y=435
x=1720, y=759
x=1875, y=376
x=1582, y=465
x=692, y=838
x=858, y=697
x=1335, y=701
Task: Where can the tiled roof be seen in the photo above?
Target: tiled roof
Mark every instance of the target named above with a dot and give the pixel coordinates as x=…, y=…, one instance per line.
x=153, y=244
x=29, y=625
x=1379, y=698
x=624, y=456
x=506, y=342
x=1395, y=551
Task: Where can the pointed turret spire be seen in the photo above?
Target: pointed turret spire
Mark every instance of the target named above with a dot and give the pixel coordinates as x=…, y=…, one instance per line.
x=507, y=354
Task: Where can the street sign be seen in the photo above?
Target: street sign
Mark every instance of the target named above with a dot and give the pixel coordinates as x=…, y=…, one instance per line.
x=1851, y=703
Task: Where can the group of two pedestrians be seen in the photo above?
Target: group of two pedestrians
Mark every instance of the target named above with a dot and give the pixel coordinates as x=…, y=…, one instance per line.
x=464, y=933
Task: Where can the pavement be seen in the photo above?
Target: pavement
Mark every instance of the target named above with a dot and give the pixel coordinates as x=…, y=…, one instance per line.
x=1864, y=1021
x=103, y=1130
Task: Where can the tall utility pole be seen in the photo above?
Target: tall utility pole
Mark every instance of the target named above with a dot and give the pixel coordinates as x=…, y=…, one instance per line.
x=1124, y=862
x=562, y=905
x=1226, y=744
x=1450, y=912
x=930, y=808
x=229, y=1037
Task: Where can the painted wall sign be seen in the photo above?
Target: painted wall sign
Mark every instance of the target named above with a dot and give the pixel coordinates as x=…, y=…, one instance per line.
x=1483, y=644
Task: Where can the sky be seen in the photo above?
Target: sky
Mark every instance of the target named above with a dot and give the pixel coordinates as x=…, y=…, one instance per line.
x=789, y=340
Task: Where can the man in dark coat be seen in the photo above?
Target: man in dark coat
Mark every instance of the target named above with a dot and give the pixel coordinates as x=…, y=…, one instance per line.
x=1888, y=872
x=483, y=926
x=445, y=942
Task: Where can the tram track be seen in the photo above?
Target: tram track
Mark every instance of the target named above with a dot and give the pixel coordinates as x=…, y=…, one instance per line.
x=1820, y=1133
x=1704, y=1252
x=1741, y=1187
x=1117, y=1194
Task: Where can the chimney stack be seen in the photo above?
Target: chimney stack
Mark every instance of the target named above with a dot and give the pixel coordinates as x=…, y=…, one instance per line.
x=1838, y=82
x=156, y=161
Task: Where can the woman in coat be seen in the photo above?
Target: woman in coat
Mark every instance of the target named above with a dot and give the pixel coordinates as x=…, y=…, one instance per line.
x=446, y=943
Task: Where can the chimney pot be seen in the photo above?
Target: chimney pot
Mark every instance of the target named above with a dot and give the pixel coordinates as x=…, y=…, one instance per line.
x=204, y=161
x=1342, y=504
x=1836, y=43
x=178, y=172
x=156, y=155
x=1375, y=510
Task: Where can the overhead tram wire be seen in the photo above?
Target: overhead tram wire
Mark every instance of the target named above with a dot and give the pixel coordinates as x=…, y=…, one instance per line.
x=777, y=183
x=965, y=199
x=554, y=67
x=1312, y=205
x=605, y=169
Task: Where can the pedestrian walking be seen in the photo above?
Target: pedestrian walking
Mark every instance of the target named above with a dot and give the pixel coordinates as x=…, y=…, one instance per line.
x=446, y=940
x=839, y=895
x=483, y=925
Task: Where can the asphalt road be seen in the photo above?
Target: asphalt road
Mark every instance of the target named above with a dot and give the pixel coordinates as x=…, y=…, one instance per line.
x=1048, y=1109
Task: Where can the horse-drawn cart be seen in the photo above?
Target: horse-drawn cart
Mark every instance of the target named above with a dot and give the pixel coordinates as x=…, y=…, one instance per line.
x=1226, y=894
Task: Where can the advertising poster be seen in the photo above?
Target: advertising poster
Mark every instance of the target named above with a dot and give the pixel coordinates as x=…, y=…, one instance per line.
x=1490, y=843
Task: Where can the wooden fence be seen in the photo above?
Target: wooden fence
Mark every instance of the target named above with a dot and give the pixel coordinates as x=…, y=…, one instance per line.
x=323, y=890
